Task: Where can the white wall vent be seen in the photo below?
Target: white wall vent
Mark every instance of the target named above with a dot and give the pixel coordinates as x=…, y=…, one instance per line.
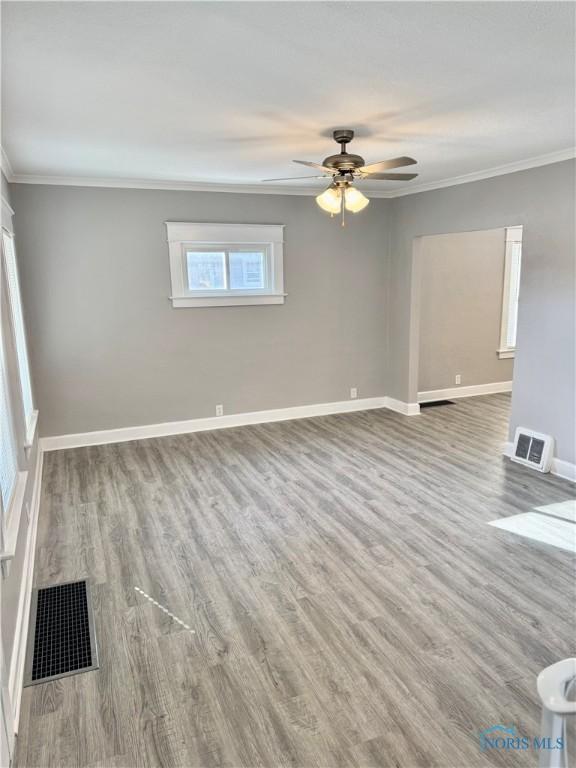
x=533, y=449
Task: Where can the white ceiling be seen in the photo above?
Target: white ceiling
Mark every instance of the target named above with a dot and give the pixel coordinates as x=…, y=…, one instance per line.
x=232, y=92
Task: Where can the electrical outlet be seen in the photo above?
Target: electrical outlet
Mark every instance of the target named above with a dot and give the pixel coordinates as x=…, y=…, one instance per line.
x=353, y=393
x=219, y=410
x=458, y=378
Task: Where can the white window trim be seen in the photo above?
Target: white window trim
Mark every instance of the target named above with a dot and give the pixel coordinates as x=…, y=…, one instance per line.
x=182, y=235
x=12, y=517
x=24, y=433
x=513, y=235
x=31, y=418
x=31, y=429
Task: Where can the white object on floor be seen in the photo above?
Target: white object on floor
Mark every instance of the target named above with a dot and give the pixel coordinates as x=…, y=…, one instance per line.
x=554, y=685
x=543, y=528
x=565, y=509
x=165, y=610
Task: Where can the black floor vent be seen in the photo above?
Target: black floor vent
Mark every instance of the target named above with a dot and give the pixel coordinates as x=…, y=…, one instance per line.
x=434, y=403
x=61, y=639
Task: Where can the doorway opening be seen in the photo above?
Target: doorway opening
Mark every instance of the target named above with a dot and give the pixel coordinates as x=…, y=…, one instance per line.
x=466, y=312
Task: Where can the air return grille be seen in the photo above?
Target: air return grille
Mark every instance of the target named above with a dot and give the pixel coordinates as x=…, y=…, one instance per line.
x=533, y=449
x=61, y=638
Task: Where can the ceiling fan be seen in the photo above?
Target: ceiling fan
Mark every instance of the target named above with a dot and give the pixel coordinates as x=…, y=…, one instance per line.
x=345, y=169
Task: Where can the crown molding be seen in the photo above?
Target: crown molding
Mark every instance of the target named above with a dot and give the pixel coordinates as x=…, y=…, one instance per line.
x=183, y=186
x=261, y=189
x=489, y=173
x=5, y=165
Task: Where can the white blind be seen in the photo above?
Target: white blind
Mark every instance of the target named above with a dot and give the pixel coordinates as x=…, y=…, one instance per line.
x=18, y=323
x=8, y=460
x=515, y=256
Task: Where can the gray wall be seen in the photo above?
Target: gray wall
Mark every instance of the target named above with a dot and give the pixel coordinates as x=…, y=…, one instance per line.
x=543, y=201
x=108, y=350
x=461, y=281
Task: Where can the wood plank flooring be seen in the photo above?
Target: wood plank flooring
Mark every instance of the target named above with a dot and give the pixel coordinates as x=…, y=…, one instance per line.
x=350, y=605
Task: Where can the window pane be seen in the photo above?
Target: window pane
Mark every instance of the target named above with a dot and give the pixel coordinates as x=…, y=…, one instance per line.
x=247, y=270
x=206, y=270
x=18, y=322
x=8, y=464
x=515, y=255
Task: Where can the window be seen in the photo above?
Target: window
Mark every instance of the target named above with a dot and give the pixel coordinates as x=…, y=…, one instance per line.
x=228, y=269
x=19, y=332
x=17, y=417
x=512, y=265
x=218, y=265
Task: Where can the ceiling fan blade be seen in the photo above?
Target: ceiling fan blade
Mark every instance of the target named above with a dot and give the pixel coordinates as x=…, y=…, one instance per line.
x=391, y=176
x=385, y=165
x=290, y=178
x=316, y=166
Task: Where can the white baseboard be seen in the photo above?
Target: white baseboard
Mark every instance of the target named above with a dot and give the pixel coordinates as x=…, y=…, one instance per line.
x=407, y=409
x=471, y=391
x=560, y=468
x=564, y=469
x=124, y=434
x=16, y=674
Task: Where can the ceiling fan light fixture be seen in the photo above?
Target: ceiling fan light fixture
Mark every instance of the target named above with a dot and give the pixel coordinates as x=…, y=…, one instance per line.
x=354, y=200
x=345, y=168
x=330, y=200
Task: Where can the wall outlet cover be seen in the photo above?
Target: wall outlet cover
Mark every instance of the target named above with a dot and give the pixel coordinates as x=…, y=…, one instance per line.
x=353, y=393
x=219, y=410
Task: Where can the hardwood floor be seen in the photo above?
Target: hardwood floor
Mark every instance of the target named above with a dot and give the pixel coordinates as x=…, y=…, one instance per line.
x=349, y=604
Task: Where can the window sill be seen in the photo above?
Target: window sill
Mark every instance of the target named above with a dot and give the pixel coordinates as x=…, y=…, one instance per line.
x=503, y=354
x=227, y=301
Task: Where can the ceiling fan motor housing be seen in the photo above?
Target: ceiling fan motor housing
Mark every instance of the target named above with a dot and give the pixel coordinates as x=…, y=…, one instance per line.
x=343, y=161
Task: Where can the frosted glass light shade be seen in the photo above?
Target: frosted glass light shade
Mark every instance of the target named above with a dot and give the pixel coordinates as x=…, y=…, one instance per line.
x=330, y=200
x=354, y=200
